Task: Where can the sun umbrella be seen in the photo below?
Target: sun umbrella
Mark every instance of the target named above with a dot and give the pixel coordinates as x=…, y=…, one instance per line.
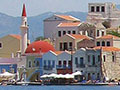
x=7, y=74
x=77, y=73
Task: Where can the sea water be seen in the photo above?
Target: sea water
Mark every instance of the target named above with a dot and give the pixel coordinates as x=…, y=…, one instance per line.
x=60, y=87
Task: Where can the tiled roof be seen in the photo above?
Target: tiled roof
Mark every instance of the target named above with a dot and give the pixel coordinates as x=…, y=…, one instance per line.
x=68, y=17
x=78, y=36
x=108, y=48
x=69, y=24
x=16, y=36
x=108, y=37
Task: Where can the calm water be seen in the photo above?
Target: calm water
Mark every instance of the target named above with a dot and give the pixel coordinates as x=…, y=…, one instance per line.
x=59, y=87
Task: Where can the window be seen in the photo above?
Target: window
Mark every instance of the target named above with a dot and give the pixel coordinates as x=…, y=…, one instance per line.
x=98, y=43
x=30, y=64
x=97, y=9
x=64, y=32
x=59, y=63
x=53, y=64
x=0, y=45
x=98, y=58
x=98, y=33
x=108, y=43
x=69, y=32
x=59, y=33
x=102, y=9
x=103, y=43
x=64, y=63
x=37, y=64
x=44, y=62
x=76, y=60
x=65, y=46
x=88, y=58
x=98, y=76
x=92, y=8
x=113, y=57
x=70, y=45
x=104, y=58
x=103, y=33
x=69, y=63
x=93, y=63
x=61, y=46
x=73, y=32
x=25, y=23
x=49, y=63
x=81, y=61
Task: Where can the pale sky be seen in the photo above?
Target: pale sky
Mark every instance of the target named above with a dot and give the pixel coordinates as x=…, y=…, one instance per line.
x=36, y=7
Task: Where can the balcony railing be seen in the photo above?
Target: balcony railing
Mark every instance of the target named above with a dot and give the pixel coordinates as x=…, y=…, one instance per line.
x=63, y=67
x=48, y=67
x=92, y=65
x=80, y=65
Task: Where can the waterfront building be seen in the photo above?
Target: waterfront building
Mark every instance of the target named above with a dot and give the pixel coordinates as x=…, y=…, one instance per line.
x=73, y=41
x=49, y=62
x=64, y=63
x=110, y=62
x=87, y=61
x=32, y=60
x=108, y=41
x=9, y=46
x=100, y=12
x=51, y=23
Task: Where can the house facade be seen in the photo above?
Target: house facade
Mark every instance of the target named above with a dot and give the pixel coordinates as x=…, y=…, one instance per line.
x=108, y=40
x=72, y=41
x=51, y=23
x=110, y=62
x=87, y=61
x=9, y=46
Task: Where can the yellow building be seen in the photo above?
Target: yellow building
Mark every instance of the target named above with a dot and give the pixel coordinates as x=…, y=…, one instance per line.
x=9, y=45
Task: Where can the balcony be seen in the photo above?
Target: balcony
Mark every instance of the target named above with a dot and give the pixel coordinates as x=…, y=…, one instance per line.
x=48, y=67
x=80, y=65
x=63, y=67
x=92, y=65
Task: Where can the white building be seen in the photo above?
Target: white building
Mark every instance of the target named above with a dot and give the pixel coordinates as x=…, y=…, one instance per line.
x=50, y=24
x=49, y=62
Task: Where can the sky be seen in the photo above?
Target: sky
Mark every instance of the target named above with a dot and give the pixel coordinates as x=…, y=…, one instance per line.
x=36, y=7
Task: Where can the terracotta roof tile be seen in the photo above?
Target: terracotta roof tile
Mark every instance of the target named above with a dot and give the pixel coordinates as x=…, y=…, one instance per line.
x=16, y=36
x=108, y=37
x=68, y=17
x=78, y=36
x=69, y=24
x=107, y=48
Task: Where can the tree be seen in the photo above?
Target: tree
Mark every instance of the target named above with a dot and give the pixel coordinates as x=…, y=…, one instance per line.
x=114, y=33
x=40, y=38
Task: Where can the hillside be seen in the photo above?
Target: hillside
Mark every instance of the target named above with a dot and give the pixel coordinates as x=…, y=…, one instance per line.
x=10, y=25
